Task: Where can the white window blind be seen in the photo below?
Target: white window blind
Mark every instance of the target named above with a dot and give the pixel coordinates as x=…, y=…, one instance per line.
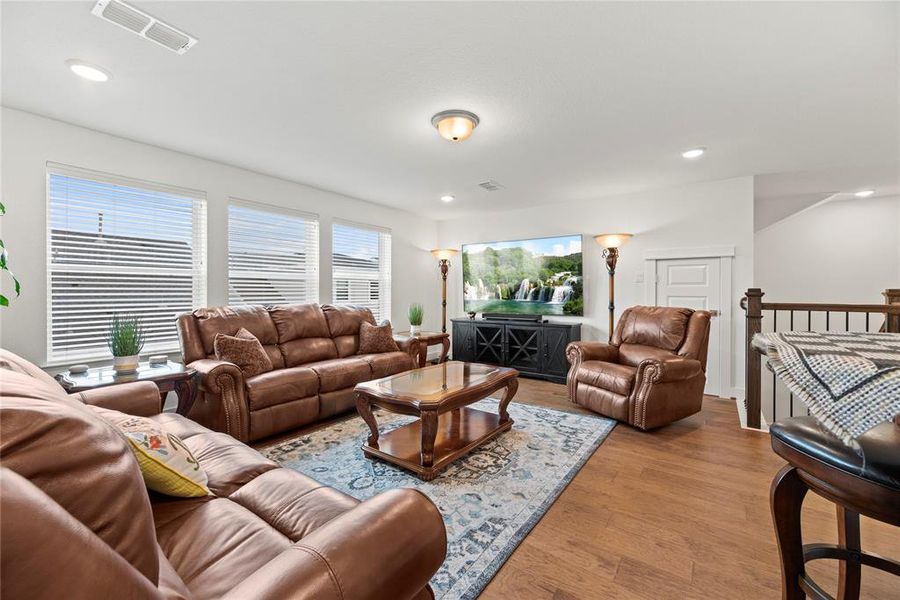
x=361, y=267
x=273, y=255
x=118, y=245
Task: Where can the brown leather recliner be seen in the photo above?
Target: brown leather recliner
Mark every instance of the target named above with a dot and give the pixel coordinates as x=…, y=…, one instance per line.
x=650, y=374
x=78, y=523
x=314, y=351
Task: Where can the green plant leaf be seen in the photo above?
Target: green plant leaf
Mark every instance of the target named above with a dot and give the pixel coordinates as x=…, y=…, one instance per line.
x=4, y=301
x=2, y=209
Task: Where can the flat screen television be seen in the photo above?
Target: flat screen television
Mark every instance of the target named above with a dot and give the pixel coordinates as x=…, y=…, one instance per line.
x=540, y=276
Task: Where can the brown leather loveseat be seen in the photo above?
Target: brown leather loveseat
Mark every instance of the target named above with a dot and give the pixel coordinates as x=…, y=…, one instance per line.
x=314, y=351
x=651, y=373
x=77, y=521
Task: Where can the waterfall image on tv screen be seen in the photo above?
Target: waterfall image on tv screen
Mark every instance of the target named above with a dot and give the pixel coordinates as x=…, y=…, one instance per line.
x=540, y=276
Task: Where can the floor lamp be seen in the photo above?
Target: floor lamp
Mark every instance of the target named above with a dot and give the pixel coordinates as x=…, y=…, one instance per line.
x=444, y=257
x=611, y=242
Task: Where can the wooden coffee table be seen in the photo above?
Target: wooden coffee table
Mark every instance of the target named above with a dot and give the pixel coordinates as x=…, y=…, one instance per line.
x=447, y=428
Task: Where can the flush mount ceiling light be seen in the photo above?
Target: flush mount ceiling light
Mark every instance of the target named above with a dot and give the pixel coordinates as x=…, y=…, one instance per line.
x=88, y=71
x=447, y=198
x=455, y=125
x=864, y=193
x=693, y=153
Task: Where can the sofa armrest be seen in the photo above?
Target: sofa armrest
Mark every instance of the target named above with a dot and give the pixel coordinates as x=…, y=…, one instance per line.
x=652, y=370
x=577, y=352
x=139, y=398
x=411, y=346
x=386, y=548
x=224, y=382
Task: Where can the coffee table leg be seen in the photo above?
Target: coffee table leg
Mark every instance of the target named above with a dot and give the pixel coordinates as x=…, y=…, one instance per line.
x=429, y=433
x=365, y=411
x=445, y=349
x=511, y=388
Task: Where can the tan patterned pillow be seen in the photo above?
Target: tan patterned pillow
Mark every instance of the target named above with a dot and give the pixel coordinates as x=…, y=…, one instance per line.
x=375, y=339
x=244, y=350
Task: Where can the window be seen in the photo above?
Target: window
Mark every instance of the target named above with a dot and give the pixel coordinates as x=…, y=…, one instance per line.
x=273, y=255
x=119, y=246
x=361, y=267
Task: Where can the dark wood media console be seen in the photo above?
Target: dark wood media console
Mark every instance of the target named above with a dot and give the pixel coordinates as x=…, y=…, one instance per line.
x=535, y=349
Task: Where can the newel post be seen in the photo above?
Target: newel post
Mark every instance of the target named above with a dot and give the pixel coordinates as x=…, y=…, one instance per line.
x=891, y=322
x=752, y=391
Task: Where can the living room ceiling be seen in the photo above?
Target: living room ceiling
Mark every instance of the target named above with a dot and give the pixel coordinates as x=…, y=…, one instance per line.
x=576, y=100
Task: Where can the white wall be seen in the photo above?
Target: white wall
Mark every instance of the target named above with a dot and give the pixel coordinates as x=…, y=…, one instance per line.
x=840, y=251
x=30, y=141
x=704, y=214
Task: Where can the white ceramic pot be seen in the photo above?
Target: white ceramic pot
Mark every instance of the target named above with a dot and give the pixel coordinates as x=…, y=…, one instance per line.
x=126, y=364
x=415, y=329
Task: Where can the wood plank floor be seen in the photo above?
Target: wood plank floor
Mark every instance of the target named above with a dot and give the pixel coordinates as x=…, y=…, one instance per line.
x=681, y=512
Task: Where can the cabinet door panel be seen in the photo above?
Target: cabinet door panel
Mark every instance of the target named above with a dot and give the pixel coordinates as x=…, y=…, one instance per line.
x=463, y=342
x=488, y=344
x=523, y=347
x=554, y=350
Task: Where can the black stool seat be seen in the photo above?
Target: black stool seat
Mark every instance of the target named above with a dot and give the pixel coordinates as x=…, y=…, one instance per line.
x=863, y=480
x=877, y=459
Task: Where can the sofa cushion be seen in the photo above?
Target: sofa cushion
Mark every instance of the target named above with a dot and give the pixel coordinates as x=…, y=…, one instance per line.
x=659, y=326
x=64, y=448
x=244, y=350
x=633, y=354
x=306, y=350
x=167, y=465
x=608, y=376
x=214, y=544
x=297, y=321
x=375, y=339
x=339, y=373
x=228, y=463
x=228, y=320
x=388, y=363
x=283, y=385
x=292, y=503
x=343, y=325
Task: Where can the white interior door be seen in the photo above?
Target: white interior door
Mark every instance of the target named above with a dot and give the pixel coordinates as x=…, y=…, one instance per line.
x=695, y=283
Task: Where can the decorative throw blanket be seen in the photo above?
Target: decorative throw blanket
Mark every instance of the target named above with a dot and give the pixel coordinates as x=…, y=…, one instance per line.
x=849, y=381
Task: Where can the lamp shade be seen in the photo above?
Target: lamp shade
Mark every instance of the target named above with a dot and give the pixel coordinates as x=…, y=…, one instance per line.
x=444, y=254
x=612, y=240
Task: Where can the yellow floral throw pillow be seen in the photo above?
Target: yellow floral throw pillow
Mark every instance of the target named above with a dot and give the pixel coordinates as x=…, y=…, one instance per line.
x=166, y=463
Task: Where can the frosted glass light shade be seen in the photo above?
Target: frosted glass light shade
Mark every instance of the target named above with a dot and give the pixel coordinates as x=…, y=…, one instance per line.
x=444, y=254
x=612, y=240
x=455, y=125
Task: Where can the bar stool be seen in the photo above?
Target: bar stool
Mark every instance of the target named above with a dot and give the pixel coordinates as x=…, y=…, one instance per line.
x=864, y=481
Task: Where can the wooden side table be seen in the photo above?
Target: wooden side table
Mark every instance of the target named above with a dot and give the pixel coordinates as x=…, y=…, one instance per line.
x=429, y=338
x=170, y=377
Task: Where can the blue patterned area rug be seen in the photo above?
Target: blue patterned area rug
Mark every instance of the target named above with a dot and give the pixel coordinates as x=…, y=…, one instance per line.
x=490, y=499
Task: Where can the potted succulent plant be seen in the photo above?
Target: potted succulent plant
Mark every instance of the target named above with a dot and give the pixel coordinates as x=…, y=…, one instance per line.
x=415, y=314
x=125, y=340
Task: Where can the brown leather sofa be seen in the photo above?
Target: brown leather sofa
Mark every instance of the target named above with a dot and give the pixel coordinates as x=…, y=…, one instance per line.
x=77, y=521
x=651, y=373
x=314, y=351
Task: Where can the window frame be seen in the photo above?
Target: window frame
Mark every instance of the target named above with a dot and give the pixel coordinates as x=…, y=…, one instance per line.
x=199, y=249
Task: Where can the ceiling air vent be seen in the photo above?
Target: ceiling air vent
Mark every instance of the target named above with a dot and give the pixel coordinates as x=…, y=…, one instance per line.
x=147, y=26
x=490, y=185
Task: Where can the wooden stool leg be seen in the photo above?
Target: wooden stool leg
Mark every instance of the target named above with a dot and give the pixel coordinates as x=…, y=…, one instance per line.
x=849, y=570
x=786, y=499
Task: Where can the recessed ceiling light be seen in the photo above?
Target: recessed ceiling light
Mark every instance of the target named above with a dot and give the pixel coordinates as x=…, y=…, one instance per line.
x=455, y=125
x=694, y=153
x=88, y=71
x=864, y=193
x=446, y=198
